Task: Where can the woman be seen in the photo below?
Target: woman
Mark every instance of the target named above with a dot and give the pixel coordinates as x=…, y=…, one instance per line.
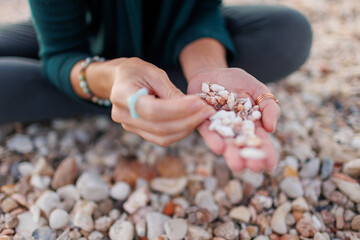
x=196, y=40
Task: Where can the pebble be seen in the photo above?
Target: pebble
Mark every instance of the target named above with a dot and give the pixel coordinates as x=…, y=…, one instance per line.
x=349, y=186
x=121, y=230
x=68, y=192
x=321, y=236
x=292, y=187
x=120, y=191
x=139, y=198
x=43, y=168
x=175, y=229
x=170, y=186
x=48, y=201
x=355, y=223
x=234, y=191
x=310, y=169
x=197, y=233
x=92, y=187
x=44, y=233
x=65, y=174
x=348, y=215
x=103, y=223
x=352, y=168
x=8, y=205
x=155, y=224
x=95, y=235
x=25, y=168
x=205, y=200
x=306, y=228
x=140, y=228
x=83, y=211
x=129, y=172
x=278, y=220
x=170, y=167
x=20, y=143
x=11, y=221
x=40, y=182
x=227, y=230
x=58, y=219
x=251, y=177
x=326, y=168
x=300, y=204
x=27, y=224
x=241, y=213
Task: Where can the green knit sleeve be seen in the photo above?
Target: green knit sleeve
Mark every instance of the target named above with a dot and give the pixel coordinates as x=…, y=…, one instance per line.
x=61, y=31
x=205, y=21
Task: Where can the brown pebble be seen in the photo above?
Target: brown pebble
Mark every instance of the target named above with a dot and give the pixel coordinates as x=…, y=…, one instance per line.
x=170, y=167
x=339, y=216
x=306, y=228
x=289, y=237
x=169, y=208
x=128, y=171
x=297, y=215
x=105, y=206
x=65, y=174
x=274, y=237
x=8, y=204
x=355, y=223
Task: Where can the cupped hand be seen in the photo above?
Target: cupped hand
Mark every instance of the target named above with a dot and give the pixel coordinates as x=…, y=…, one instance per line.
x=166, y=115
x=244, y=85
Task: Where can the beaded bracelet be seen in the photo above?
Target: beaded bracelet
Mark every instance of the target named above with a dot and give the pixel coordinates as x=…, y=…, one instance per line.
x=84, y=86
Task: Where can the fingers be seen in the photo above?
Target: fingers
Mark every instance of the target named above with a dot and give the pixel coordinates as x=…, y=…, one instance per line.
x=272, y=156
x=270, y=114
x=233, y=158
x=212, y=139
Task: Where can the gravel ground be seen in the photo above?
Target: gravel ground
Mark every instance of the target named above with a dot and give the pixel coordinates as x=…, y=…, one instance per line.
x=88, y=179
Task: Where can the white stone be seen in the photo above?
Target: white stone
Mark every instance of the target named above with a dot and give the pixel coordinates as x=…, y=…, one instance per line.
x=224, y=93
x=251, y=177
x=195, y=232
x=140, y=228
x=175, y=229
x=120, y=191
x=278, y=220
x=27, y=224
x=248, y=126
x=352, y=168
x=92, y=187
x=155, y=224
x=256, y=115
x=48, y=201
x=222, y=114
x=95, y=235
x=58, y=219
x=216, y=88
x=68, y=192
x=252, y=153
x=139, y=198
x=20, y=143
x=224, y=131
x=204, y=199
x=25, y=168
x=292, y=187
x=83, y=211
x=300, y=204
x=40, y=182
x=262, y=237
x=121, y=230
x=234, y=191
x=170, y=186
x=103, y=223
x=241, y=213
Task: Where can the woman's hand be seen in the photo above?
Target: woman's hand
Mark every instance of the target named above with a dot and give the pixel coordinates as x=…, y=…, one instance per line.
x=244, y=85
x=163, y=120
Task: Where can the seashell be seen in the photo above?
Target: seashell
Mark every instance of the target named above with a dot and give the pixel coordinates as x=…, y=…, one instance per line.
x=248, y=126
x=220, y=100
x=352, y=168
x=205, y=87
x=240, y=107
x=278, y=221
x=214, y=123
x=240, y=140
x=224, y=131
x=211, y=100
x=202, y=95
x=224, y=93
x=256, y=115
x=349, y=186
x=231, y=100
x=253, y=141
x=252, y=153
x=137, y=199
x=216, y=88
x=247, y=104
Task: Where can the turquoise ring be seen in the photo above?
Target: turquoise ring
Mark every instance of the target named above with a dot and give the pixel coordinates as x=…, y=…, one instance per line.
x=133, y=99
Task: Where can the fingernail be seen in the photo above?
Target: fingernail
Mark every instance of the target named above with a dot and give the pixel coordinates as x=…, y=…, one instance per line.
x=274, y=128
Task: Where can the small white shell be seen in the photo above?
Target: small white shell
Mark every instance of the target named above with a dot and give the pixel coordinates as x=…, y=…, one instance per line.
x=202, y=95
x=224, y=93
x=240, y=140
x=248, y=126
x=227, y=121
x=205, y=87
x=231, y=101
x=216, y=88
x=247, y=104
x=214, y=123
x=256, y=115
x=253, y=141
x=222, y=114
x=225, y=131
x=252, y=153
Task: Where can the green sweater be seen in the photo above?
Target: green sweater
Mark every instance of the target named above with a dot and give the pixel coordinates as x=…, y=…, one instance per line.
x=71, y=30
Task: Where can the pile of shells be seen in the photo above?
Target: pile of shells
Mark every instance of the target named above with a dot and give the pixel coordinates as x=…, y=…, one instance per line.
x=89, y=179
x=234, y=118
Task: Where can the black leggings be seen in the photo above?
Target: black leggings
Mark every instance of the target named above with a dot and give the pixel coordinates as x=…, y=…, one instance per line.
x=271, y=42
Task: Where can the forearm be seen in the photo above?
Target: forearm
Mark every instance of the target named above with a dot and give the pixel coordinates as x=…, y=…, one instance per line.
x=202, y=55
x=99, y=77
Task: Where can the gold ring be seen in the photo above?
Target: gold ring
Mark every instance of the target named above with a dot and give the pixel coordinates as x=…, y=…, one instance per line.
x=264, y=96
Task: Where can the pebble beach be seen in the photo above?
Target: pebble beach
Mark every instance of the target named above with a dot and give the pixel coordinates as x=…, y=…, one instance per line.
x=87, y=178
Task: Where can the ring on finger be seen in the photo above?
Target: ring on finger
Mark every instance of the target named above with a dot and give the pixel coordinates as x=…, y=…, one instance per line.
x=132, y=101
x=264, y=96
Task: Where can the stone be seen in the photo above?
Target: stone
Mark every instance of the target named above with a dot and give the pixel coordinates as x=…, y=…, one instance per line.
x=65, y=174
x=20, y=143
x=289, y=237
x=68, y=192
x=120, y=191
x=292, y=187
x=127, y=171
x=95, y=235
x=58, y=219
x=140, y=228
x=103, y=223
x=262, y=237
x=43, y=168
x=222, y=172
x=197, y=233
x=278, y=220
x=11, y=221
x=8, y=204
x=40, y=182
x=25, y=168
x=210, y=183
x=139, y=198
x=234, y=191
x=339, y=217
x=48, y=201
x=305, y=228
x=348, y=215
x=155, y=224
x=92, y=187
x=82, y=212
x=27, y=225
x=326, y=168
x=355, y=223
x=43, y=233
x=241, y=213
x=170, y=167
x=321, y=236
x=352, y=168
x=310, y=169
x=255, y=179
x=300, y=204
x=121, y=230
x=227, y=230
x=349, y=186
x=175, y=229
x=205, y=200
x=170, y=186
